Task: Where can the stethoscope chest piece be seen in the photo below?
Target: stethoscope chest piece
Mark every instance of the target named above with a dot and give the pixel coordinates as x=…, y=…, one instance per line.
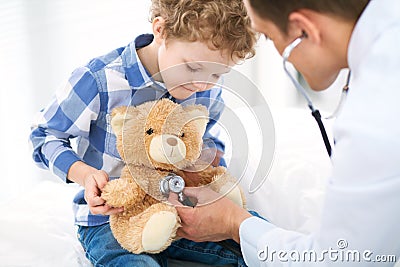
x=174, y=183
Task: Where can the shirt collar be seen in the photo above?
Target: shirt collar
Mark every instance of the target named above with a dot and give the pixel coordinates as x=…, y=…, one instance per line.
x=137, y=75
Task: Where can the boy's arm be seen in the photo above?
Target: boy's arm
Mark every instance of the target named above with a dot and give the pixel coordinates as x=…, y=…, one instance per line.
x=68, y=115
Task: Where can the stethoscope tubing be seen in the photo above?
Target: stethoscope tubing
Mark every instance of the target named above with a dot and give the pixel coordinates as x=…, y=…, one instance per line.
x=315, y=112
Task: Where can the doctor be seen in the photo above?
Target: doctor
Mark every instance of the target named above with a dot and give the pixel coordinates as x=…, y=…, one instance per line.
x=360, y=222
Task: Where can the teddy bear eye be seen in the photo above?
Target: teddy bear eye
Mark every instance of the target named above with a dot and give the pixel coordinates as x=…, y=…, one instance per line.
x=183, y=134
x=150, y=131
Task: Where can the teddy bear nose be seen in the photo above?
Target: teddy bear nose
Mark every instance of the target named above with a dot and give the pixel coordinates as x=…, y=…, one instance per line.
x=172, y=141
x=167, y=149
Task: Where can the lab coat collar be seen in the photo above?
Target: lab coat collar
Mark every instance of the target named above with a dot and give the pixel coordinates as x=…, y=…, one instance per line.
x=377, y=16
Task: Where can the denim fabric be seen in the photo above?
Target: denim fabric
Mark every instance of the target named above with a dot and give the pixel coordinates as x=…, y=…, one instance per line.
x=205, y=252
x=102, y=249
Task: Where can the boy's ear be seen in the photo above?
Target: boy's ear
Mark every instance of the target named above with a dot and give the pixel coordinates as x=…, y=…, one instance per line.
x=120, y=115
x=199, y=115
x=158, y=25
x=303, y=21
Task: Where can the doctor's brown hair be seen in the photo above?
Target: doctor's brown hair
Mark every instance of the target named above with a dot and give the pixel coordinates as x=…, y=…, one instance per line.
x=278, y=11
x=223, y=24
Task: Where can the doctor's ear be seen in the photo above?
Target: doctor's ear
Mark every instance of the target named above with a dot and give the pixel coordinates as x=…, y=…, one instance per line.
x=303, y=23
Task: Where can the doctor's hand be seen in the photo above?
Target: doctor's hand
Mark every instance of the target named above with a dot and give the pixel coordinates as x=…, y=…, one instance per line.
x=214, y=218
x=209, y=158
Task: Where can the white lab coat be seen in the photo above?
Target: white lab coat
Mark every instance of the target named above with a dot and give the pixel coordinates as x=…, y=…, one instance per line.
x=361, y=213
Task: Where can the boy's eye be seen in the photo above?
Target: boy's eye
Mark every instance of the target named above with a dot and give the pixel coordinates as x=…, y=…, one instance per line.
x=216, y=76
x=150, y=131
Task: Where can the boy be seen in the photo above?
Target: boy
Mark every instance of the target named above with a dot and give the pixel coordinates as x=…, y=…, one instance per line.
x=186, y=34
x=360, y=221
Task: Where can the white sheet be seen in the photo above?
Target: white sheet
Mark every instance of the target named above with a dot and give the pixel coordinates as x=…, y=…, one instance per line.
x=37, y=228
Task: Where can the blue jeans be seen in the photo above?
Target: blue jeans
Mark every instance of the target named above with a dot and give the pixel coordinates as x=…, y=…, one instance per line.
x=102, y=249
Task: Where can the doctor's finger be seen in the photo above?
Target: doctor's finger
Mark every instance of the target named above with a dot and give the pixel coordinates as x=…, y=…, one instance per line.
x=204, y=195
x=173, y=199
x=181, y=232
x=193, y=191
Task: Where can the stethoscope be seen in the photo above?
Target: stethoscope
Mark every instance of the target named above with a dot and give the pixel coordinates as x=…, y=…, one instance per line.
x=315, y=112
x=175, y=183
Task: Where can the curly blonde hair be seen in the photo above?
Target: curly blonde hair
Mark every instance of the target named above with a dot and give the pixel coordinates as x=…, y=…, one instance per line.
x=224, y=24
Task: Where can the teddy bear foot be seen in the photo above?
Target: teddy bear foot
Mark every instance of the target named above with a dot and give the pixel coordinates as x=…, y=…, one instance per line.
x=231, y=191
x=160, y=223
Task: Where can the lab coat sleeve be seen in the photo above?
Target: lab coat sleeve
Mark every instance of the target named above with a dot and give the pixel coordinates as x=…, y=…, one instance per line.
x=250, y=232
x=264, y=244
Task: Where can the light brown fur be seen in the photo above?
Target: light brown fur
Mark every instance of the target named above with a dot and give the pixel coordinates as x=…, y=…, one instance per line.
x=137, y=190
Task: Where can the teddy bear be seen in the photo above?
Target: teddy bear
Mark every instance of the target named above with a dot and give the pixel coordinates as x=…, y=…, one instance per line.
x=157, y=139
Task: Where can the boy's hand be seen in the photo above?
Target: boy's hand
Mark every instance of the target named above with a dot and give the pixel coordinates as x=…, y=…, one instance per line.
x=93, y=181
x=93, y=184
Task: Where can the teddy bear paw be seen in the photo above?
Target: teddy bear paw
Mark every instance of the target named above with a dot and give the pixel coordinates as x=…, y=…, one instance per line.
x=159, y=230
x=234, y=193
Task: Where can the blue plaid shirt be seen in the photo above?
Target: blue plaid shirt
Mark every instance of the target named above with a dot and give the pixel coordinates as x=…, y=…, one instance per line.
x=75, y=126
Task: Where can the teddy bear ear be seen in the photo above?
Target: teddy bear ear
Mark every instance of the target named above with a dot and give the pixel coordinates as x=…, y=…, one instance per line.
x=199, y=115
x=120, y=115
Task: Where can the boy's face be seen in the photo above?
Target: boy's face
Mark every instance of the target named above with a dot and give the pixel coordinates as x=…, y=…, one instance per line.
x=319, y=63
x=190, y=67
